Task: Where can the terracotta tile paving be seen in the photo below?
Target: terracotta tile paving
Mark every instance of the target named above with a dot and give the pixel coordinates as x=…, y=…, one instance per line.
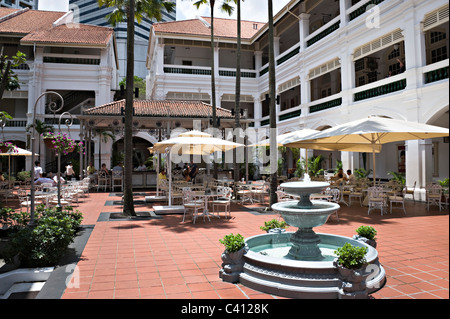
x=166, y=259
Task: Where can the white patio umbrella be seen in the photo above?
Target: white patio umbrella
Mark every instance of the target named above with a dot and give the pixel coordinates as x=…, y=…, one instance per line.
x=20, y=152
x=369, y=134
x=192, y=142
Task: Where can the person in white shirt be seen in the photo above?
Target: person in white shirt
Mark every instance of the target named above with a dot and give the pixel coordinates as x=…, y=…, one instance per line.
x=44, y=179
x=351, y=177
x=69, y=171
x=37, y=170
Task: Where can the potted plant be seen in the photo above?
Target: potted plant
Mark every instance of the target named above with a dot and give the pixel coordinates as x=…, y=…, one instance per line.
x=274, y=226
x=367, y=235
x=6, y=147
x=351, y=265
x=232, y=257
x=60, y=142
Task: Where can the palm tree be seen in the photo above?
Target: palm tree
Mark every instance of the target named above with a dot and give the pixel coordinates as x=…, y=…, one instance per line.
x=132, y=10
x=237, y=103
x=272, y=108
x=228, y=9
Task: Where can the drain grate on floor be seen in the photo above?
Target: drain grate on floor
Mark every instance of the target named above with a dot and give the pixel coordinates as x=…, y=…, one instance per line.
x=118, y=216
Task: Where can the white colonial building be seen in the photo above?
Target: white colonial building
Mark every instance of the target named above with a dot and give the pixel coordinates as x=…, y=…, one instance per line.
x=77, y=61
x=336, y=61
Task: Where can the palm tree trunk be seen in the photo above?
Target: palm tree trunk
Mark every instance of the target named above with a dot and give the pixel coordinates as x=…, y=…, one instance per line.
x=272, y=108
x=237, y=106
x=213, y=81
x=128, y=205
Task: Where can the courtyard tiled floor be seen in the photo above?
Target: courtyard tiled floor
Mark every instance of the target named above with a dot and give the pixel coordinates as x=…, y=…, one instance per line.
x=166, y=259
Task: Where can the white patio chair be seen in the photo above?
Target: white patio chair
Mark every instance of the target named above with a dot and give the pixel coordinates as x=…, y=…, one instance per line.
x=434, y=195
x=24, y=200
x=223, y=201
x=354, y=193
x=376, y=199
x=245, y=192
x=103, y=181
x=398, y=198
x=190, y=204
x=117, y=176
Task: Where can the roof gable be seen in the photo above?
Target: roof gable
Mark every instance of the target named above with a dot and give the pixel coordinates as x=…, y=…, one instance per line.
x=24, y=21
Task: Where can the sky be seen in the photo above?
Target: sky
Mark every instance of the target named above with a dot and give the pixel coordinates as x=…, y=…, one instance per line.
x=252, y=10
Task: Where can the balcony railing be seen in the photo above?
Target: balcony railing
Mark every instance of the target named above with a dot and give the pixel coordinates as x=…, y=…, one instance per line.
x=381, y=90
x=436, y=75
x=232, y=73
x=361, y=8
x=323, y=32
x=17, y=122
x=187, y=70
x=293, y=51
x=325, y=105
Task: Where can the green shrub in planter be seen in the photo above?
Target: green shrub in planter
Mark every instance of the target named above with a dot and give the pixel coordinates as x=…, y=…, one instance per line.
x=274, y=223
x=44, y=244
x=351, y=257
x=367, y=231
x=232, y=242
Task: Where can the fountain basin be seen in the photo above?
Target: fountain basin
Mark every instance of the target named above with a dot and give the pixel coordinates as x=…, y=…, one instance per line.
x=314, y=216
x=284, y=276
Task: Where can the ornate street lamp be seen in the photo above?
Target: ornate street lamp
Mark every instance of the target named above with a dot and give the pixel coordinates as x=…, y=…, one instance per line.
x=52, y=105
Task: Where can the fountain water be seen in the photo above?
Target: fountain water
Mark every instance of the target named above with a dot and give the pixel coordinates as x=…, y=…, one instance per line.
x=300, y=264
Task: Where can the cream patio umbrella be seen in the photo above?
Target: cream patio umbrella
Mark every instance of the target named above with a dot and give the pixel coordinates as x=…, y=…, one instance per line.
x=283, y=139
x=19, y=152
x=369, y=134
x=192, y=142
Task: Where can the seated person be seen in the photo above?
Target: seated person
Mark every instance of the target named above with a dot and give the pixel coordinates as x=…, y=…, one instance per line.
x=55, y=179
x=104, y=169
x=351, y=177
x=91, y=169
x=340, y=176
x=162, y=175
x=118, y=167
x=44, y=179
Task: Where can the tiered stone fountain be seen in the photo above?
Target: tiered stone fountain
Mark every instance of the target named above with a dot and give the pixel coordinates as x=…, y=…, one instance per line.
x=300, y=264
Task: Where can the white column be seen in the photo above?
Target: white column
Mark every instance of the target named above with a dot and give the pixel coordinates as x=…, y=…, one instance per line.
x=258, y=60
x=257, y=110
x=305, y=92
x=347, y=76
x=304, y=30
x=159, y=59
x=343, y=6
x=415, y=49
x=276, y=42
x=419, y=164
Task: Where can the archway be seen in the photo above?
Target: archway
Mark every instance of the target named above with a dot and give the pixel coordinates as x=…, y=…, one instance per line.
x=141, y=153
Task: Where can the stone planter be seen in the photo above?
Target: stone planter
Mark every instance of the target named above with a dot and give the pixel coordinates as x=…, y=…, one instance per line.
x=232, y=265
x=365, y=240
x=352, y=282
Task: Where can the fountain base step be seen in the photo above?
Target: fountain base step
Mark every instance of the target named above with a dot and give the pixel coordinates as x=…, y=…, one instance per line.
x=268, y=268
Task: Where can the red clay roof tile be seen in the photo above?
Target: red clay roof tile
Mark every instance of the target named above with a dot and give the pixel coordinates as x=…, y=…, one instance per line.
x=71, y=34
x=226, y=28
x=164, y=108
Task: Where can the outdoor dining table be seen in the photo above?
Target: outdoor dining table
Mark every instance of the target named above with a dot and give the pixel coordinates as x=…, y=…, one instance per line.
x=44, y=195
x=206, y=197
